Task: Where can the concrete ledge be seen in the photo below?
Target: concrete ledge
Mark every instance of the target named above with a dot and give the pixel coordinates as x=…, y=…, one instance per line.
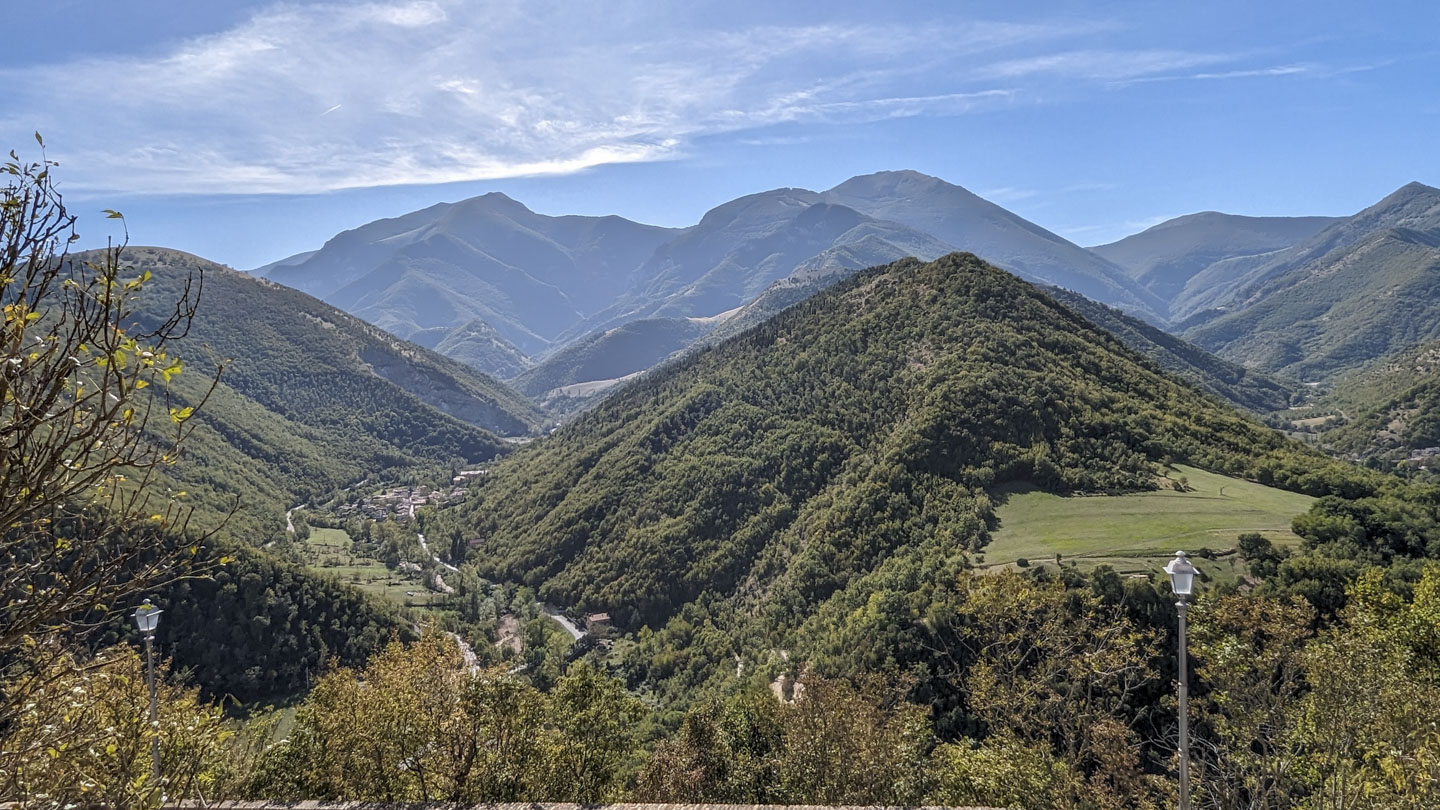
x=318, y=805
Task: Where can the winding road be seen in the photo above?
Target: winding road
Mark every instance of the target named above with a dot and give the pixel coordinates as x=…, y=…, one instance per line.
x=570, y=627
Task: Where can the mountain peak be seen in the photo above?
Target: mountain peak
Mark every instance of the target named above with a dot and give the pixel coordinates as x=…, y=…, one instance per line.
x=758, y=206
x=891, y=182
x=1410, y=191
x=494, y=200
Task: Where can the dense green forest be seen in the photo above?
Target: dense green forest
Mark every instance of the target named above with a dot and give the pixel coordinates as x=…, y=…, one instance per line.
x=310, y=399
x=868, y=420
x=810, y=490
x=1386, y=414
x=1232, y=382
x=255, y=628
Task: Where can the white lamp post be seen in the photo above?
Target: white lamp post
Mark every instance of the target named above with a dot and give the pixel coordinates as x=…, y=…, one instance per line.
x=1182, y=581
x=147, y=616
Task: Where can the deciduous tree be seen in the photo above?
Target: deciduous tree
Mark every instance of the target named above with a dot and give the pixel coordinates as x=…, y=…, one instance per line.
x=85, y=424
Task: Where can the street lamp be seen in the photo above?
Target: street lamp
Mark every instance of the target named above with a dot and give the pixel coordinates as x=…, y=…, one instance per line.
x=1182, y=582
x=146, y=617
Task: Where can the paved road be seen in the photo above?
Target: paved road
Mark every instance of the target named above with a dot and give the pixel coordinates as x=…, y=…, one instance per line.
x=575, y=632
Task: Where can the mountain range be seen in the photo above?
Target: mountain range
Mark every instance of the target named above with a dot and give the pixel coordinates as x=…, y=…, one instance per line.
x=424, y=274
x=310, y=398
x=442, y=275
x=1165, y=258
x=1358, y=289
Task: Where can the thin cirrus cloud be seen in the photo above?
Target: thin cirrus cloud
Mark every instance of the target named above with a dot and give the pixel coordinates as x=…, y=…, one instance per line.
x=1251, y=73
x=1104, y=65
x=302, y=99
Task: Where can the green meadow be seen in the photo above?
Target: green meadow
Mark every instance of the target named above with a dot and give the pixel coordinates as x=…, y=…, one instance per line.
x=1136, y=533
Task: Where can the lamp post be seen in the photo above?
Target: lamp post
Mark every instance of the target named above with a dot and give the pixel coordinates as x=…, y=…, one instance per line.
x=146, y=617
x=1182, y=581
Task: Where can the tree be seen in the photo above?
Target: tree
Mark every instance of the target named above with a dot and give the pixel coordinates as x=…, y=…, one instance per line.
x=1262, y=555
x=595, y=721
x=1334, y=720
x=86, y=423
x=416, y=725
x=835, y=744
x=1000, y=772
x=1368, y=725
x=1249, y=654
x=1054, y=672
x=83, y=738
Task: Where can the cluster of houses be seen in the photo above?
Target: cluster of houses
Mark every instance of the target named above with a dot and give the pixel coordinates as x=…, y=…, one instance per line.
x=400, y=503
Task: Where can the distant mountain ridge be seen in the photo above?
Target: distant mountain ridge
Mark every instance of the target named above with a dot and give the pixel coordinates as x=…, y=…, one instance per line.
x=541, y=282
x=527, y=275
x=1358, y=289
x=519, y=294
x=1164, y=258
x=741, y=247
x=971, y=223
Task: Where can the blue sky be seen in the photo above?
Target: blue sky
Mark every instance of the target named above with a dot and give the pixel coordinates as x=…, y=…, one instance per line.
x=248, y=131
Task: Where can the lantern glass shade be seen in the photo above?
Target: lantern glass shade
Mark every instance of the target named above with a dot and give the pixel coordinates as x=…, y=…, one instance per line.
x=1182, y=574
x=147, y=616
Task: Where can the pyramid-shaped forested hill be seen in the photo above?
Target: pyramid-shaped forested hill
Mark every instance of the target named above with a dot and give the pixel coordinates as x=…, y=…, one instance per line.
x=858, y=431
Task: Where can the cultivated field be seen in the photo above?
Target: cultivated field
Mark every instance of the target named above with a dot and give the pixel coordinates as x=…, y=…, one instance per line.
x=331, y=551
x=1136, y=533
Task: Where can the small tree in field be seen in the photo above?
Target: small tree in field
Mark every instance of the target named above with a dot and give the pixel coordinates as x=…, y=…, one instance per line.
x=85, y=424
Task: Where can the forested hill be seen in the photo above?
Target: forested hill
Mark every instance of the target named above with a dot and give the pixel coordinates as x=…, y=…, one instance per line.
x=311, y=398
x=1229, y=381
x=857, y=430
x=1389, y=411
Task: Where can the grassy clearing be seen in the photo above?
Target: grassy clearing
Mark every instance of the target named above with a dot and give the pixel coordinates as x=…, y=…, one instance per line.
x=320, y=536
x=332, y=551
x=402, y=591
x=1136, y=533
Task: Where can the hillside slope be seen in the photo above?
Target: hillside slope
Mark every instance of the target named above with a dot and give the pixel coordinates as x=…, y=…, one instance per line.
x=1339, y=311
x=858, y=428
x=479, y=346
x=1234, y=284
x=311, y=398
x=611, y=354
x=1390, y=410
x=1165, y=257
x=1229, y=381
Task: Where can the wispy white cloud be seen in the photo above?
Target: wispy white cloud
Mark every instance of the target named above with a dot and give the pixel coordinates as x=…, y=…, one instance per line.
x=323, y=97
x=1109, y=65
x=331, y=96
x=1011, y=194
x=1249, y=73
